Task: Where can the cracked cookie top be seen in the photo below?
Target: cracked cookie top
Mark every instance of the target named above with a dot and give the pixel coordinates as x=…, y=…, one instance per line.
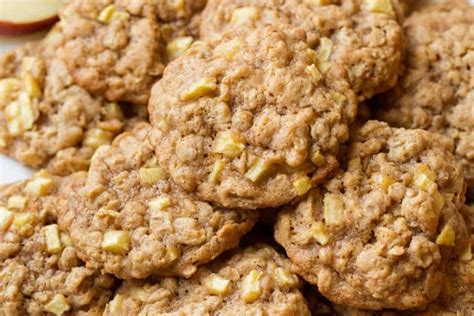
x=365, y=35
x=129, y=220
x=379, y=234
x=252, y=119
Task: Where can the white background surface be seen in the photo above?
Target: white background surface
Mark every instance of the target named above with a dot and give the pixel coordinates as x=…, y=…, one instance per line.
x=10, y=170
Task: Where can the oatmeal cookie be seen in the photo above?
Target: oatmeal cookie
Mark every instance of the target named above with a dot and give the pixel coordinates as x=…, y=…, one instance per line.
x=365, y=35
x=45, y=119
x=116, y=47
x=437, y=91
x=40, y=272
x=129, y=220
x=378, y=235
x=457, y=297
x=254, y=281
x=249, y=120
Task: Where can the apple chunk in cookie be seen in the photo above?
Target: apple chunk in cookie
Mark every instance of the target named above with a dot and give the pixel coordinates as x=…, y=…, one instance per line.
x=118, y=48
x=47, y=121
x=365, y=35
x=252, y=281
x=249, y=120
x=131, y=221
x=380, y=233
x=40, y=272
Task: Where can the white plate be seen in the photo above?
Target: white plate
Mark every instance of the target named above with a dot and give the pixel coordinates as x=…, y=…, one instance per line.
x=10, y=170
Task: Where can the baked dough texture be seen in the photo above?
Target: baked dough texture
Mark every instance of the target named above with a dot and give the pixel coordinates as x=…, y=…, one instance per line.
x=253, y=281
x=248, y=120
x=118, y=48
x=45, y=119
x=129, y=220
x=40, y=272
x=379, y=234
x=366, y=34
x=436, y=92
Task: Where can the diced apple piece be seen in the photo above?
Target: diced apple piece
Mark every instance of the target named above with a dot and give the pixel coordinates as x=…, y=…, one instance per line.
x=313, y=71
x=151, y=175
x=229, y=49
x=447, y=237
x=333, y=209
x=245, y=15
x=285, y=277
x=98, y=137
x=116, y=241
x=380, y=6
x=6, y=218
x=302, y=185
x=201, y=88
x=32, y=86
x=217, y=169
x=384, y=181
x=40, y=186
x=217, y=285
x=8, y=88
x=258, y=170
x=229, y=144
x=178, y=46
x=58, y=305
x=160, y=204
x=17, y=202
x=65, y=239
x=319, y=233
x=53, y=242
x=251, y=287
x=110, y=13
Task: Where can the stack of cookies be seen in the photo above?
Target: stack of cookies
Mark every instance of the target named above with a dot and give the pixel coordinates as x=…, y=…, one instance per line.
x=241, y=157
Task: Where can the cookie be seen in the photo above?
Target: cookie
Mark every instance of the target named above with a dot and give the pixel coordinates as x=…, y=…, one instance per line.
x=45, y=119
x=129, y=220
x=40, y=272
x=457, y=297
x=248, y=120
x=254, y=281
x=117, y=49
x=378, y=235
x=436, y=92
x=365, y=35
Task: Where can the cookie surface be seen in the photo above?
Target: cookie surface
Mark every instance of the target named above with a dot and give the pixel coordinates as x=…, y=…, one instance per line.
x=457, y=297
x=248, y=120
x=45, y=119
x=366, y=35
x=129, y=220
x=40, y=272
x=436, y=92
x=379, y=234
x=253, y=281
x=118, y=48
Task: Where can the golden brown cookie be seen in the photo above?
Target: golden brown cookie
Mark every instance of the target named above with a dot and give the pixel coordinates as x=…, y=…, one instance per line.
x=436, y=92
x=40, y=272
x=380, y=233
x=118, y=48
x=365, y=35
x=254, y=281
x=249, y=120
x=129, y=220
x=45, y=119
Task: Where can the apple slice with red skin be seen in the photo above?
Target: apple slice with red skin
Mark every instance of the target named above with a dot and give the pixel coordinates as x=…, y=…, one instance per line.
x=19, y=17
